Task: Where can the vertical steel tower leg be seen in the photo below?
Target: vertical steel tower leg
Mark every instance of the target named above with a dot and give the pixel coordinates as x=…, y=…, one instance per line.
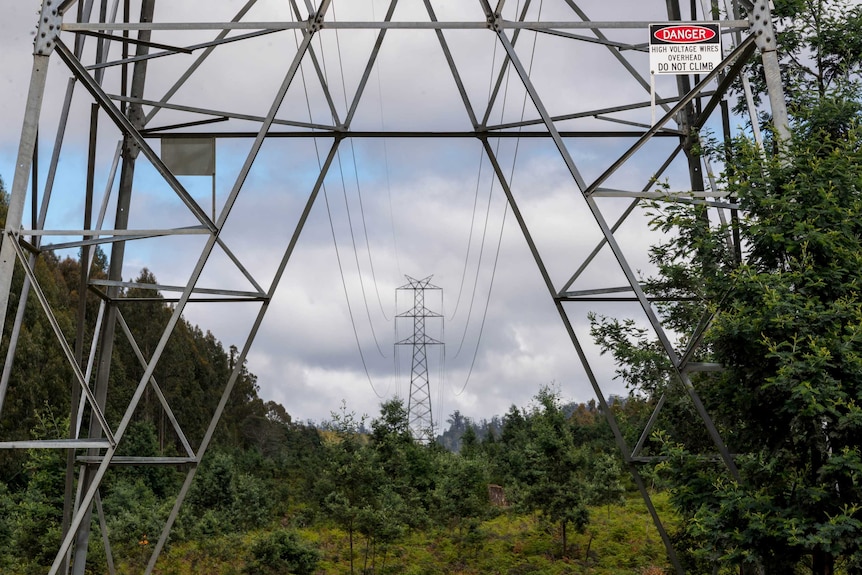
x=50, y=19
x=15, y=214
x=115, y=273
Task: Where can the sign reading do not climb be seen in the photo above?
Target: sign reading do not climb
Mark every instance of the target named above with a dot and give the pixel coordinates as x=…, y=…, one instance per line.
x=684, y=48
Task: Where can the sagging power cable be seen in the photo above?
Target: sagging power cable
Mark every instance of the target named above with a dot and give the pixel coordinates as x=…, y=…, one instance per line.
x=329, y=216
x=506, y=208
x=358, y=192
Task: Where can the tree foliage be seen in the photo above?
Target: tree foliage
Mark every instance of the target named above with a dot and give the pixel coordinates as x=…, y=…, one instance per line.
x=553, y=477
x=191, y=374
x=789, y=334
x=281, y=552
x=785, y=323
x=820, y=51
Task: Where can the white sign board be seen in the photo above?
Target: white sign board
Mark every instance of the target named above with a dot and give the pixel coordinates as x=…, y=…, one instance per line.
x=684, y=48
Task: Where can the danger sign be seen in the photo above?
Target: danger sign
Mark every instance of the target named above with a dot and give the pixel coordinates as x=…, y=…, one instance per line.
x=684, y=48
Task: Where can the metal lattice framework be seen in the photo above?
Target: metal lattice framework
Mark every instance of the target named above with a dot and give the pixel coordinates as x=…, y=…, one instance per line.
x=131, y=89
x=419, y=413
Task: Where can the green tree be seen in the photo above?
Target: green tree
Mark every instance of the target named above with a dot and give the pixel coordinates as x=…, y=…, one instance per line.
x=605, y=479
x=461, y=498
x=821, y=52
x=820, y=55
x=140, y=440
x=133, y=514
x=788, y=333
x=351, y=480
x=509, y=457
x=796, y=307
x=458, y=425
x=213, y=486
x=553, y=480
x=469, y=442
x=7, y=511
x=409, y=466
x=37, y=515
x=786, y=324
x=40, y=377
x=787, y=329
x=192, y=373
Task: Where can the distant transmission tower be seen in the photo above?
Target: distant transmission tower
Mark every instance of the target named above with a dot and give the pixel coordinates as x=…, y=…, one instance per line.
x=419, y=404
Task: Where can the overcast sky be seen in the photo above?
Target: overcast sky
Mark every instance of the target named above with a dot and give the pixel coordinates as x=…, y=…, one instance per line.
x=415, y=207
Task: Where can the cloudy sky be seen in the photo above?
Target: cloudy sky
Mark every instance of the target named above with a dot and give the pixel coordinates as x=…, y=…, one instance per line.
x=420, y=207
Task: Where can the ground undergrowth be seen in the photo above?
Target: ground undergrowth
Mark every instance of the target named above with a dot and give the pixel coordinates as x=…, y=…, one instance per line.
x=620, y=539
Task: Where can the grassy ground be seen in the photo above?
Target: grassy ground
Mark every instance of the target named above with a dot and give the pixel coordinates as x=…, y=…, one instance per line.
x=621, y=539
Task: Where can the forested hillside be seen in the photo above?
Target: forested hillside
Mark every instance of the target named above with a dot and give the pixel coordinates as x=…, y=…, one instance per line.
x=196, y=366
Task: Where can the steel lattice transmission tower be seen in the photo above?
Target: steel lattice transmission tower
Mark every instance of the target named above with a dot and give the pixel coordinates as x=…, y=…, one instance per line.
x=419, y=411
x=144, y=77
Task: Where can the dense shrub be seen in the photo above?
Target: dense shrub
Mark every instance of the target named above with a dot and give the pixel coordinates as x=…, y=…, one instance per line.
x=281, y=552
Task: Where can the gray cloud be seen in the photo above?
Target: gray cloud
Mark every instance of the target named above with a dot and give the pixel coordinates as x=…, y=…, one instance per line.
x=417, y=198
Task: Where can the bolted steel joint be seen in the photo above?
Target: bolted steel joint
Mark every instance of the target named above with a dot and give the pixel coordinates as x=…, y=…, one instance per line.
x=48, y=29
x=495, y=22
x=131, y=149
x=315, y=23
x=760, y=23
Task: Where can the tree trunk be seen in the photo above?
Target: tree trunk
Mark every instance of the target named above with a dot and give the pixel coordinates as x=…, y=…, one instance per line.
x=822, y=563
x=350, y=538
x=564, y=537
x=367, y=551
